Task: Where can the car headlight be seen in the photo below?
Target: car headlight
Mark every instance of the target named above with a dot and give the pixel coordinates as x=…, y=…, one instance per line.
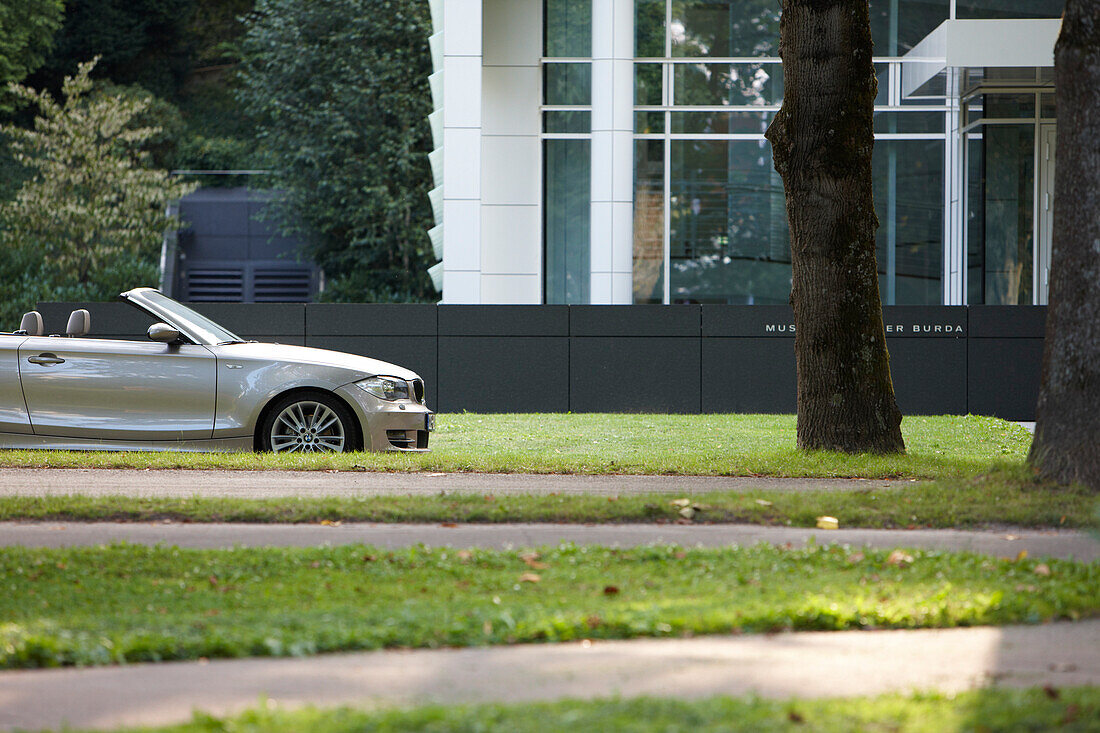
x=385, y=388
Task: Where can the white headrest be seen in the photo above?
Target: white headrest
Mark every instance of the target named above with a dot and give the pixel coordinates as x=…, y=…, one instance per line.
x=80, y=322
x=31, y=324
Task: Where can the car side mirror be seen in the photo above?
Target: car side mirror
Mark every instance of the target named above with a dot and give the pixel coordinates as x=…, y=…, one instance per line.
x=163, y=333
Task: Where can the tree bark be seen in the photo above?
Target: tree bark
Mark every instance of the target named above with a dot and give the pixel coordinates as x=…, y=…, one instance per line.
x=822, y=140
x=1067, y=431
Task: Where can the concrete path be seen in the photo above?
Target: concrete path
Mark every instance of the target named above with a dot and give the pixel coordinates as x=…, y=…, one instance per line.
x=819, y=664
x=1006, y=543
x=270, y=484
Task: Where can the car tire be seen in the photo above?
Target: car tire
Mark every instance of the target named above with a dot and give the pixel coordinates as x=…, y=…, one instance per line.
x=308, y=422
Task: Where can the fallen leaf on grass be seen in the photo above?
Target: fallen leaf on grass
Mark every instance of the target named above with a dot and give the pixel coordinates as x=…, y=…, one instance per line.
x=795, y=717
x=855, y=557
x=680, y=502
x=1021, y=555
x=826, y=522
x=688, y=512
x=1042, y=569
x=899, y=558
x=763, y=502
x=530, y=578
x=531, y=559
x=611, y=590
x=330, y=523
x=1051, y=692
x=464, y=555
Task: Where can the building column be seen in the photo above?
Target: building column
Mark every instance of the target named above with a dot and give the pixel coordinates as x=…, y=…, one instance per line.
x=460, y=201
x=612, y=207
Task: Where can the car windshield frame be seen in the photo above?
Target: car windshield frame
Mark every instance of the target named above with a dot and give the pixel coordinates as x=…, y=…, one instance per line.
x=195, y=326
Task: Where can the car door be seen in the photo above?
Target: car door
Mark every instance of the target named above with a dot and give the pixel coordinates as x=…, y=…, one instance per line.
x=121, y=390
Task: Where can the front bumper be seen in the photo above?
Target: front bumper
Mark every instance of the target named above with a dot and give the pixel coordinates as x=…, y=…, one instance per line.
x=401, y=425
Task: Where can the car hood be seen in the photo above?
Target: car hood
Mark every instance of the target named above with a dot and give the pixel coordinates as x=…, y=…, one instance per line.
x=358, y=366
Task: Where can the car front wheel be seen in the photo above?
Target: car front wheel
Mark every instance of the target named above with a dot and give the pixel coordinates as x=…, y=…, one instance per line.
x=308, y=423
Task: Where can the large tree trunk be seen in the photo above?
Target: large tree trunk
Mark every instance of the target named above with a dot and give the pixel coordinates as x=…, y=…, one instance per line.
x=822, y=140
x=1067, y=432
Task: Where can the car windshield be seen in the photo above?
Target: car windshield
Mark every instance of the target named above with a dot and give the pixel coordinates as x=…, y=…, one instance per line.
x=196, y=324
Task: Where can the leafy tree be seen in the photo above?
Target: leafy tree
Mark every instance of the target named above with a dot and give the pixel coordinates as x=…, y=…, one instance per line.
x=89, y=221
x=27, y=28
x=339, y=89
x=139, y=41
x=1067, y=430
x=822, y=140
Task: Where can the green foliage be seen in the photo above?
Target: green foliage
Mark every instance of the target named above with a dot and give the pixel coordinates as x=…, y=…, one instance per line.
x=27, y=28
x=339, y=89
x=129, y=603
x=88, y=221
x=140, y=42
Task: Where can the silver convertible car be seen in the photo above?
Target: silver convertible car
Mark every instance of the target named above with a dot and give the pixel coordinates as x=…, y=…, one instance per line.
x=195, y=386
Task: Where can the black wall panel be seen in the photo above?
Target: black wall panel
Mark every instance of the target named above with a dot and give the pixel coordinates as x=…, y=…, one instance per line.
x=504, y=373
x=634, y=374
x=680, y=359
x=929, y=375
x=749, y=375
x=1003, y=376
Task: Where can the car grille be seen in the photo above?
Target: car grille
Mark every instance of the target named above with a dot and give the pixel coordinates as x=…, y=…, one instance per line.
x=418, y=390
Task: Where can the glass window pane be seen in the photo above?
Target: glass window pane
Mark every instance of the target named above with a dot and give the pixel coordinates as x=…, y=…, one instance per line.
x=975, y=219
x=647, y=84
x=567, y=165
x=1009, y=8
x=725, y=28
x=568, y=28
x=721, y=123
x=912, y=122
x=649, y=28
x=882, y=75
x=728, y=224
x=560, y=121
x=908, y=188
x=728, y=84
x=898, y=25
x=649, y=123
x=1048, y=107
x=649, y=221
x=1006, y=205
x=568, y=83
x=1009, y=106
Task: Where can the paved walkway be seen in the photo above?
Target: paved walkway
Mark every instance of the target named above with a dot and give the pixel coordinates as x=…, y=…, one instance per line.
x=270, y=484
x=819, y=664
x=1007, y=543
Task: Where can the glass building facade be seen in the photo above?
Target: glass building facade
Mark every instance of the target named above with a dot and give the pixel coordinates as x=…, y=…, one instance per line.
x=709, y=219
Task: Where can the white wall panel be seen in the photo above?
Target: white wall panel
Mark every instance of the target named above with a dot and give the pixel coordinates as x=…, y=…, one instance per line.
x=463, y=36
x=463, y=234
x=462, y=92
x=601, y=289
x=510, y=97
x=511, y=289
x=512, y=32
x=602, y=230
x=462, y=163
x=461, y=287
x=509, y=173
x=511, y=241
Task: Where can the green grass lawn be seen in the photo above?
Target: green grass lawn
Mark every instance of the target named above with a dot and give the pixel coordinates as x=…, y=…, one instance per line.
x=737, y=445
x=132, y=603
x=1006, y=497
x=998, y=709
